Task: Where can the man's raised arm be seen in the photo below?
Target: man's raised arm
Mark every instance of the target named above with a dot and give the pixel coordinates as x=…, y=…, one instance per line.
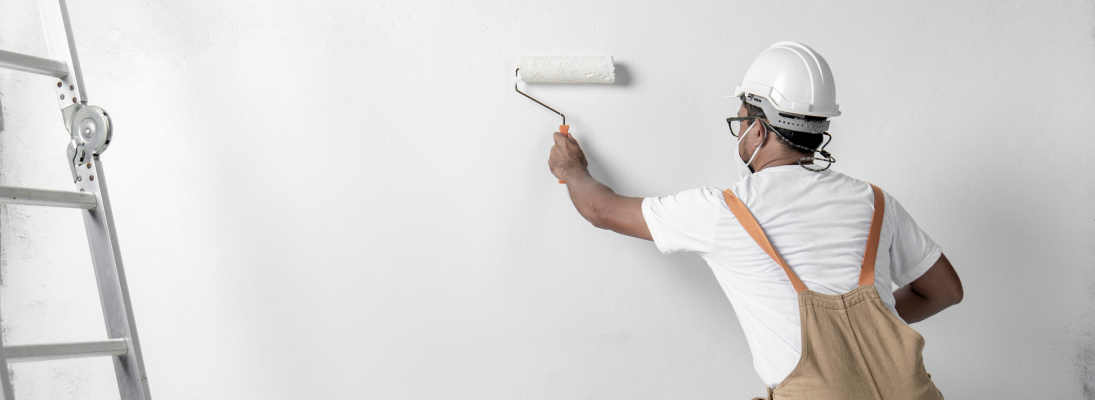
x=597, y=203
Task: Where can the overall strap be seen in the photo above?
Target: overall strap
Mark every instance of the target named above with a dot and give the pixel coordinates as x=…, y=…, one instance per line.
x=750, y=224
x=866, y=274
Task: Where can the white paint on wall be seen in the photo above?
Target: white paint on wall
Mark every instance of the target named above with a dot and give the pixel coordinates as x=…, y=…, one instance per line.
x=310, y=207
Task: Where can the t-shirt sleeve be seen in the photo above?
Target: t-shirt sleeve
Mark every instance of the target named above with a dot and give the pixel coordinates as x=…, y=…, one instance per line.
x=683, y=221
x=913, y=252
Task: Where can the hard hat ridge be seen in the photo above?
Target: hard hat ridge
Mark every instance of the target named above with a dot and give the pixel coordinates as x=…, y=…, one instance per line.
x=794, y=78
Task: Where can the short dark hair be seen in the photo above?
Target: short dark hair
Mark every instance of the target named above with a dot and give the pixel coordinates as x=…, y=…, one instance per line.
x=792, y=140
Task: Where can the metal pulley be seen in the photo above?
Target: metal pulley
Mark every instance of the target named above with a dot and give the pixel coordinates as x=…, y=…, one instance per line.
x=91, y=127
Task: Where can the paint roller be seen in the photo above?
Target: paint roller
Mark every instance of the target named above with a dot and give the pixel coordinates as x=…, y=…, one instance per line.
x=566, y=69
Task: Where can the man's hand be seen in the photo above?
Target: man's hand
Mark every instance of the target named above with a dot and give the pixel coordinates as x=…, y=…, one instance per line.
x=566, y=157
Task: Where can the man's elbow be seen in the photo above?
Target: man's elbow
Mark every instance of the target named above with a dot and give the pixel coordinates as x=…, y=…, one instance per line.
x=956, y=294
x=603, y=216
x=947, y=282
x=949, y=295
x=595, y=214
x=598, y=224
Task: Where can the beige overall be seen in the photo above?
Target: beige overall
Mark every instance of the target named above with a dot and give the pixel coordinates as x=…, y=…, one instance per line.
x=853, y=347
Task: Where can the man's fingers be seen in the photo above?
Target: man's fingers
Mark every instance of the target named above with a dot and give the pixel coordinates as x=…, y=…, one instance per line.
x=558, y=136
x=569, y=138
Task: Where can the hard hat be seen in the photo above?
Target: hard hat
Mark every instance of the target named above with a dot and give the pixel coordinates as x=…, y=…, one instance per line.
x=793, y=79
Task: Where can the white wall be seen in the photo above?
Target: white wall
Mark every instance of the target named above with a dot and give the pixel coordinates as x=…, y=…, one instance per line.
x=347, y=199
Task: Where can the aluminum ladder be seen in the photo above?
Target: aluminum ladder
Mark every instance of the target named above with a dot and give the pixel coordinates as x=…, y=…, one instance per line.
x=90, y=131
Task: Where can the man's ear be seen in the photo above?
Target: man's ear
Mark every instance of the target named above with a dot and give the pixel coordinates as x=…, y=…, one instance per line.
x=763, y=132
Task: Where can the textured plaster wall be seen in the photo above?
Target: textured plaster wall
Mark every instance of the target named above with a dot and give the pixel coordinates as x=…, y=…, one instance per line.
x=347, y=199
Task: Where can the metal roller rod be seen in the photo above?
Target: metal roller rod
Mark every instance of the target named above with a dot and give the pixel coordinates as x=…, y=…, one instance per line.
x=517, y=77
x=59, y=351
x=32, y=64
x=48, y=198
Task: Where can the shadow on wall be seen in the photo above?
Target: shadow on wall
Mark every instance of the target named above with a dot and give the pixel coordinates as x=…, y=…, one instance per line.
x=623, y=77
x=1085, y=352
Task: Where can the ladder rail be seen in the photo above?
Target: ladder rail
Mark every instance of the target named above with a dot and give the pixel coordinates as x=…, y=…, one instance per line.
x=106, y=257
x=62, y=47
x=6, y=391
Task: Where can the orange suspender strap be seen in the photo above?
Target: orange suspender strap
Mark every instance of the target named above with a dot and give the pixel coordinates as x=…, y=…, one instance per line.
x=866, y=275
x=750, y=224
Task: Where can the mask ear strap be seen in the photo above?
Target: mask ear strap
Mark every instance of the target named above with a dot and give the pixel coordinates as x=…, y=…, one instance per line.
x=759, y=145
x=740, y=139
x=767, y=127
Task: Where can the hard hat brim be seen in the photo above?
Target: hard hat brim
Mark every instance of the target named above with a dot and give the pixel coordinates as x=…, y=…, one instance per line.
x=738, y=91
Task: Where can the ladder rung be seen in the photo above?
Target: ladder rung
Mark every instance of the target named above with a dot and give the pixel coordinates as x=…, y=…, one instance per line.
x=37, y=65
x=57, y=351
x=48, y=198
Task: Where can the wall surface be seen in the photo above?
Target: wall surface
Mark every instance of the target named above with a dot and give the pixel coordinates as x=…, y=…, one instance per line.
x=324, y=199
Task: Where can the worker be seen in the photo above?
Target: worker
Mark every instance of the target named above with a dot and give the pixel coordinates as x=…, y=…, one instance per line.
x=805, y=254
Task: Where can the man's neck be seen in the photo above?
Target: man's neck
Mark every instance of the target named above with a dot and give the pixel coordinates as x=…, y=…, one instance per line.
x=779, y=160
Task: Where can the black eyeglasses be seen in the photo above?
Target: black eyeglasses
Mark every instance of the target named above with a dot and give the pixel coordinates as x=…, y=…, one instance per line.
x=735, y=124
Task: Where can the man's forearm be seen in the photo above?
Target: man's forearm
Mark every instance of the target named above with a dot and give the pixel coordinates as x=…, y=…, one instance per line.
x=588, y=195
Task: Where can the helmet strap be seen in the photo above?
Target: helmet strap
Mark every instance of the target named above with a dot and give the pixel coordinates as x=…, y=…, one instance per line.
x=825, y=155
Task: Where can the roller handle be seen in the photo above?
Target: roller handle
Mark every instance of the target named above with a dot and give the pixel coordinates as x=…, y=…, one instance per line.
x=565, y=130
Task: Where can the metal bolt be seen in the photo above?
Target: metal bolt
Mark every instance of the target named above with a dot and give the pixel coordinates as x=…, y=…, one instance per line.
x=81, y=189
x=62, y=97
x=91, y=178
x=87, y=131
x=88, y=165
x=59, y=84
x=73, y=99
x=71, y=87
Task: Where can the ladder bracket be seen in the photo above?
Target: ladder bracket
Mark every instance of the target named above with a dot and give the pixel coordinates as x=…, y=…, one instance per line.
x=76, y=156
x=91, y=130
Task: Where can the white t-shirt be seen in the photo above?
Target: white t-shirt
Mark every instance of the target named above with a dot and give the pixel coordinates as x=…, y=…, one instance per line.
x=818, y=222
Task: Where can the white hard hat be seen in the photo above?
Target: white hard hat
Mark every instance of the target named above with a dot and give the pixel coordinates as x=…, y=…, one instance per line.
x=794, y=79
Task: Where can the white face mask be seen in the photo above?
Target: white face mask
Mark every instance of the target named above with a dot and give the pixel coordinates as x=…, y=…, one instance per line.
x=750, y=162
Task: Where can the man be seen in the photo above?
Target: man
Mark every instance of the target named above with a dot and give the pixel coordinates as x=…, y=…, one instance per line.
x=805, y=254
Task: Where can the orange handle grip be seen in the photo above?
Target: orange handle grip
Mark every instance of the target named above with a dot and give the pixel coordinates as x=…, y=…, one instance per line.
x=565, y=130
